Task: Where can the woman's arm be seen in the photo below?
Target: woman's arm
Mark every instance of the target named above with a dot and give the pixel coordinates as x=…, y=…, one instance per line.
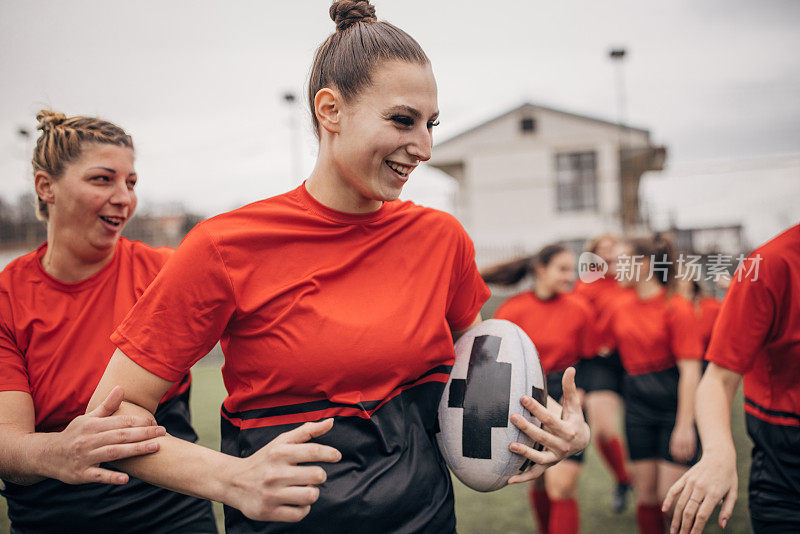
x=266, y=486
x=74, y=454
x=683, y=442
x=714, y=477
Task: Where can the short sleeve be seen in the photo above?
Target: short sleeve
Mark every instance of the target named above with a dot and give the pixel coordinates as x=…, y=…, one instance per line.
x=468, y=292
x=13, y=370
x=183, y=313
x=742, y=325
x=685, y=336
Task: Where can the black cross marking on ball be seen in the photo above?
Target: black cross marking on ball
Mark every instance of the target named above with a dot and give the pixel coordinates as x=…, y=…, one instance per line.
x=484, y=396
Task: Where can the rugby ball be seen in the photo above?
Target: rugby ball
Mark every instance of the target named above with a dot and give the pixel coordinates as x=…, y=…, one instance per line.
x=496, y=364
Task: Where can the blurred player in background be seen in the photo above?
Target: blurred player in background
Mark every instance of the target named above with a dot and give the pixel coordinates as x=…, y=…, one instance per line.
x=561, y=326
x=656, y=334
x=58, y=307
x=601, y=375
x=756, y=336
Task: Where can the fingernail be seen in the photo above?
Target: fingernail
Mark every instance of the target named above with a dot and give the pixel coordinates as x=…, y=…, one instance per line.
x=724, y=523
x=526, y=399
x=121, y=479
x=152, y=447
x=514, y=418
x=161, y=431
x=514, y=447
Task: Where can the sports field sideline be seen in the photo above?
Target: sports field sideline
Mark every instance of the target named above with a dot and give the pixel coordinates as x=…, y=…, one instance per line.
x=504, y=511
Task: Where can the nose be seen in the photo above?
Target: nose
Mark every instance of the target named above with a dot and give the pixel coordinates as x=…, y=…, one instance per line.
x=121, y=195
x=421, y=144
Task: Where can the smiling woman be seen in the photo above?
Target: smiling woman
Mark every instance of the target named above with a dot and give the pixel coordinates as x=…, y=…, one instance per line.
x=331, y=301
x=58, y=306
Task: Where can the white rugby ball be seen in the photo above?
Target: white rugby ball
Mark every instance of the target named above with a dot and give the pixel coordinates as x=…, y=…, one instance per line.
x=496, y=364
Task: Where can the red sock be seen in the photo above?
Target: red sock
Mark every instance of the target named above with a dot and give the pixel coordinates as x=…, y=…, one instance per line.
x=650, y=519
x=540, y=504
x=564, y=516
x=614, y=455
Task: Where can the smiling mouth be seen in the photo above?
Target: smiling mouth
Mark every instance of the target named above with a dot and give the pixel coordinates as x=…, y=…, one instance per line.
x=113, y=221
x=402, y=170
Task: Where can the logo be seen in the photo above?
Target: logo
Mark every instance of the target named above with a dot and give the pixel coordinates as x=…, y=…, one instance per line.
x=591, y=267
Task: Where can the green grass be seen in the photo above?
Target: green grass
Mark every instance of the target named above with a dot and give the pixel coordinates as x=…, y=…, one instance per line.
x=504, y=511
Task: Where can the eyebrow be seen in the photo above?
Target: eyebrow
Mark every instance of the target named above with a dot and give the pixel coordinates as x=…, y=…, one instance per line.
x=112, y=171
x=411, y=111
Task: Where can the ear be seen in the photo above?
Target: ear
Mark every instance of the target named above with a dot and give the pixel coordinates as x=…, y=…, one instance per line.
x=44, y=187
x=328, y=109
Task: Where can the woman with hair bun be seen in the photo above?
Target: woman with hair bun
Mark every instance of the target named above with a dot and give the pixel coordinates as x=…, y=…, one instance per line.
x=561, y=325
x=656, y=334
x=334, y=301
x=58, y=307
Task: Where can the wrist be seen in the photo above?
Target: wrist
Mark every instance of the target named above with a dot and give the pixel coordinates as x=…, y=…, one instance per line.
x=224, y=484
x=41, y=452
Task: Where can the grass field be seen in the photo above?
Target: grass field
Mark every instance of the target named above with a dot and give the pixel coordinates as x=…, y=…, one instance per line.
x=504, y=511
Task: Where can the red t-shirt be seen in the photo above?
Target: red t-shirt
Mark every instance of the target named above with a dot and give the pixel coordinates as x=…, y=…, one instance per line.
x=310, y=304
x=707, y=310
x=562, y=328
x=652, y=334
x=54, y=337
x=757, y=333
x=601, y=294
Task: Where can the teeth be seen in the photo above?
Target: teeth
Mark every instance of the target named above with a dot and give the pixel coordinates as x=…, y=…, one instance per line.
x=112, y=220
x=400, y=169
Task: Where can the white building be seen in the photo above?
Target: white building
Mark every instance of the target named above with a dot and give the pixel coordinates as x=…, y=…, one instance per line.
x=535, y=175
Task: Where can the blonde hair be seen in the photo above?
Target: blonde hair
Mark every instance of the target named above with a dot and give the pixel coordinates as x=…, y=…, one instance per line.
x=62, y=141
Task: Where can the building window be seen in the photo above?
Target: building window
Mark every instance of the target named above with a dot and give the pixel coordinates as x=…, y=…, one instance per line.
x=527, y=125
x=576, y=181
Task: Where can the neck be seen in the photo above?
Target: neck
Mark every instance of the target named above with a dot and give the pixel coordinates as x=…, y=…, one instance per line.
x=648, y=288
x=64, y=263
x=328, y=187
x=542, y=292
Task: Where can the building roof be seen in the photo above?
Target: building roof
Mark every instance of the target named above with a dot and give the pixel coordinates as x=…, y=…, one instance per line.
x=529, y=106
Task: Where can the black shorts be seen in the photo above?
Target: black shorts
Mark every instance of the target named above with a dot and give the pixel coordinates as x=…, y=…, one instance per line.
x=601, y=373
x=651, y=404
x=774, y=488
x=555, y=390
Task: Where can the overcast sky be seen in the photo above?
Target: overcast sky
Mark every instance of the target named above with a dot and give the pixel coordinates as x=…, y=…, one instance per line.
x=199, y=84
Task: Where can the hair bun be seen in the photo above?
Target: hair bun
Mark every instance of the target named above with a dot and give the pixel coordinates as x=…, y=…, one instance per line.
x=346, y=13
x=48, y=118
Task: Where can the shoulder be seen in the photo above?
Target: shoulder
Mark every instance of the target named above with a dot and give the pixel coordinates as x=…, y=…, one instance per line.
x=578, y=302
x=143, y=255
x=777, y=256
x=515, y=304
x=21, y=269
x=680, y=305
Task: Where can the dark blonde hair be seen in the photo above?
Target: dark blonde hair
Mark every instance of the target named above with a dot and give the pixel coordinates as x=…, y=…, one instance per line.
x=511, y=273
x=349, y=56
x=62, y=141
x=657, y=247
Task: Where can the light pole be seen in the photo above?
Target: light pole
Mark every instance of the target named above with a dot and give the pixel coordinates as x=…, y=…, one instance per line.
x=294, y=132
x=617, y=55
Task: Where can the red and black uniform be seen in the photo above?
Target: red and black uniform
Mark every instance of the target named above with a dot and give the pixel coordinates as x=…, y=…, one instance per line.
x=54, y=345
x=324, y=314
x=561, y=328
x=601, y=373
x=651, y=335
x=757, y=335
